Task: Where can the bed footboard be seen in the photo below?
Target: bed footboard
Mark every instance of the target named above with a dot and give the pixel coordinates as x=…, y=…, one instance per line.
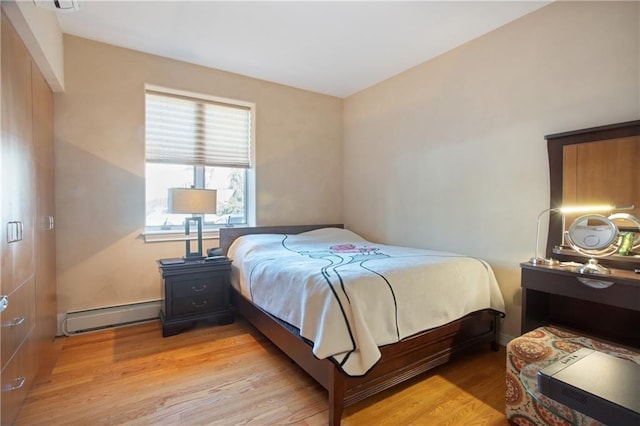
x=400, y=361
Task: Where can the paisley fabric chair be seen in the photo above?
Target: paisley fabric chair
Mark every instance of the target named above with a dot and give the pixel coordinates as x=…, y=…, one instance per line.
x=543, y=346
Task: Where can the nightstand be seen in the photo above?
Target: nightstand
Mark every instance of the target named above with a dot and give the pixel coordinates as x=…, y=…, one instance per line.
x=194, y=291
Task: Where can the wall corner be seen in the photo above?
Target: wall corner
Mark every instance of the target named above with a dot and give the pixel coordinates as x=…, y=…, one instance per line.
x=41, y=33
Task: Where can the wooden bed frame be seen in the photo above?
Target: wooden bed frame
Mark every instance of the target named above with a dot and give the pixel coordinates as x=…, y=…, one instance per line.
x=399, y=362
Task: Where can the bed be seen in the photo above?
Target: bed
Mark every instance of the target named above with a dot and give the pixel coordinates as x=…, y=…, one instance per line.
x=331, y=338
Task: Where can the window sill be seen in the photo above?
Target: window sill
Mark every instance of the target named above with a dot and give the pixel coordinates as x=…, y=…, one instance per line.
x=178, y=235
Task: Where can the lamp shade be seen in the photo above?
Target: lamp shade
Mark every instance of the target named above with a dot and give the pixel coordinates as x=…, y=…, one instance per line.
x=192, y=201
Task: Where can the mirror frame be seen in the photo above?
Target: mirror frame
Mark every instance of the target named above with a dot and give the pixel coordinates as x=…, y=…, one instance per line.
x=555, y=145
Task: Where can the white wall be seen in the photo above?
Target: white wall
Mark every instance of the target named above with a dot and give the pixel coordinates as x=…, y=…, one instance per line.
x=451, y=154
x=100, y=192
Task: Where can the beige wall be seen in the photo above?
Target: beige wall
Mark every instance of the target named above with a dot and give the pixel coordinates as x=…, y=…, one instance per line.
x=39, y=29
x=99, y=129
x=451, y=154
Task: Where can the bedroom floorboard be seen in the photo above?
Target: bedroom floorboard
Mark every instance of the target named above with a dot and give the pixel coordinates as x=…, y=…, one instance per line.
x=232, y=375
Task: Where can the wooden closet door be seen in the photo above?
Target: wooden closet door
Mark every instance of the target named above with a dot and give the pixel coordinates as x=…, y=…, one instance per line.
x=19, y=357
x=18, y=185
x=1, y=216
x=45, y=250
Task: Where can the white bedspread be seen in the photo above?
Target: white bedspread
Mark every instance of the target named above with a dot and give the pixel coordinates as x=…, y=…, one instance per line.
x=348, y=296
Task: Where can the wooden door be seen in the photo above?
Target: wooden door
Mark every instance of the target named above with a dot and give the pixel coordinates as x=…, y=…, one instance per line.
x=18, y=184
x=46, y=308
x=18, y=351
x=2, y=295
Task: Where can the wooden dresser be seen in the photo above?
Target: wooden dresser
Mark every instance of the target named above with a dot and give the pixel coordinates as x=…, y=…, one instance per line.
x=27, y=241
x=588, y=167
x=602, y=306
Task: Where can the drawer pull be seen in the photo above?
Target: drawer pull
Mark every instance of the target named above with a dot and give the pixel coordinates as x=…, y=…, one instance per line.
x=17, y=384
x=198, y=290
x=593, y=283
x=15, y=322
x=202, y=305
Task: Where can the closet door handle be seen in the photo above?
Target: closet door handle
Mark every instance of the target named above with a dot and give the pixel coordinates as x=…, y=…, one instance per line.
x=15, y=230
x=12, y=232
x=49, y=223
x=15, y=322
x=16, y=384
x=4, y=302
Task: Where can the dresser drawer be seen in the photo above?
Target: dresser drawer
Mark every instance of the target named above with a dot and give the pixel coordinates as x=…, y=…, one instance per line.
x=18, y=319
x=17, y=378
x=620, y=293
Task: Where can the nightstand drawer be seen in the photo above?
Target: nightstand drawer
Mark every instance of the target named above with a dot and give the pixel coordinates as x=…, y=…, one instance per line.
x=197, y=304
x=197, y=286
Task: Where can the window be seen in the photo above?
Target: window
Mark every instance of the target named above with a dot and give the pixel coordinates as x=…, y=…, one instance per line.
x=200, y=142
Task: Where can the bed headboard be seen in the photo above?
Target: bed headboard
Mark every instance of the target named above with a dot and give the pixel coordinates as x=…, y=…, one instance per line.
x=229, y=235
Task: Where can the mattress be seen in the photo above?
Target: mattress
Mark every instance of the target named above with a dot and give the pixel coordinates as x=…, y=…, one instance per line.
x=347, y=296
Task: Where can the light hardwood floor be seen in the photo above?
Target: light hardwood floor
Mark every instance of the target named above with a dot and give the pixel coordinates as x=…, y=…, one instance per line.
x=232, y=375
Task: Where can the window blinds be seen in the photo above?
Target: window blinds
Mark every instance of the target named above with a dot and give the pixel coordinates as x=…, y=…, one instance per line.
x=185, y=130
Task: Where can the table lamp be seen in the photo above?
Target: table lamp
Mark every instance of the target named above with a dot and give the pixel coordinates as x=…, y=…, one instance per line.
x=537, y=260
x=192, y=201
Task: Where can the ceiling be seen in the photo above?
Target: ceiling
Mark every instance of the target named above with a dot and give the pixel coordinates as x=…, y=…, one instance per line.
x=336, y=48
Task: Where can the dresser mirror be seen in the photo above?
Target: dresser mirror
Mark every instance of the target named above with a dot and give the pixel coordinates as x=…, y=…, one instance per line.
x=594, y=166
x=593, y=232
x=597, y=236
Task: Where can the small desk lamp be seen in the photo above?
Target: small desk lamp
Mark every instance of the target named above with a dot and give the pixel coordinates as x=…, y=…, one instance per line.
x=564, y=210
x=192, y=201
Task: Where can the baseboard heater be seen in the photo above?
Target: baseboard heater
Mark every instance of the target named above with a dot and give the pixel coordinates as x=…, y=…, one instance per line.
x=113, y=316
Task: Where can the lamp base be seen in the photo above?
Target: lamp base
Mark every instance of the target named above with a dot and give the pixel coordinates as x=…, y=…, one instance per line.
x=594, y=268
x=193, y=255
x=544, y=261
x=192, y=258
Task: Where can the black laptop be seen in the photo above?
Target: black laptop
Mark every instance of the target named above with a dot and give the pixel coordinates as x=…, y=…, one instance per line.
x=596, y=384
